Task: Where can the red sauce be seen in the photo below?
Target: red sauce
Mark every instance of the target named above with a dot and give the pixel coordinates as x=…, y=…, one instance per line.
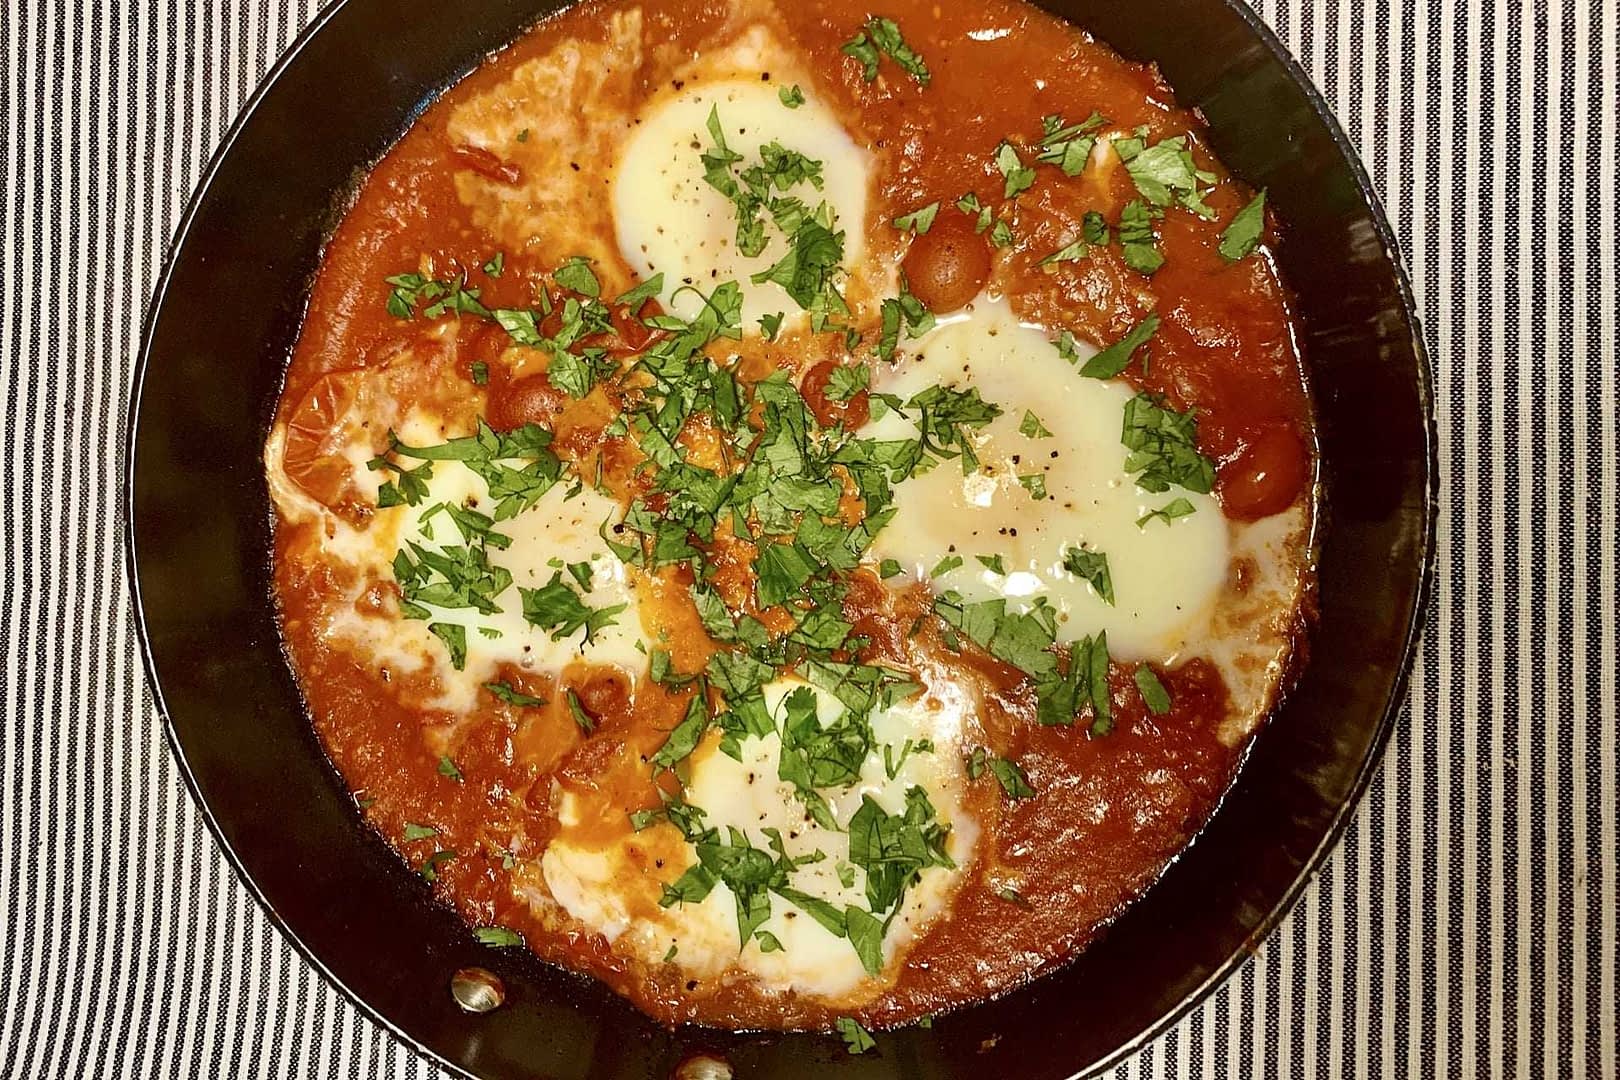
x=1111, y=811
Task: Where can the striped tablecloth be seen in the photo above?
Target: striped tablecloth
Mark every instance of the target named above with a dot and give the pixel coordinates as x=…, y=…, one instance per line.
x=1467, y=924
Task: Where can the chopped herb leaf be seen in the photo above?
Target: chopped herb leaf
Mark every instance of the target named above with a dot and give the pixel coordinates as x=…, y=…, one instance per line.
x=993, y=563
x=1166, y=172
x=576, y=275
x=791, y=96
x=498, y=936
x=1243, y=234
x=857, y=1040
x=889, y=568
x=1073, y=251
x=1091, y=566
x=480, y=372
x=1164, y=447
x=1017, y=176
x=582, y=719
x=448, y=768
x=882, y=36
x=866, y=934
x=1154, y=695
x=1171, y=510
x=945, y=565
x=1094, y=228
x=1136, y=238
x=639, y=295
x=919, y=221
x=1030, y=427
x=505, y=692
x=1011, y=778
x=1035, y=484
x=496, y=264
x=770, y=325
x=454, y=637
x=556, y=608
x=430, y=865
x=1114, y=359
x=440, y=296
x=768, y=942
x=419, y=832
x=683, y=739
x=1068, y=146
x=782, y=570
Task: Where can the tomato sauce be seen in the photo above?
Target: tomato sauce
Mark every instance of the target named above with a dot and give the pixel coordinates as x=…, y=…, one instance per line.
x=1113, y=810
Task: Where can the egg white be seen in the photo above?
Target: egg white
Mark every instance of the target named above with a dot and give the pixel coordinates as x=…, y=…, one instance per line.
x=1166, y=576
x=670, y=220
x=610, y=891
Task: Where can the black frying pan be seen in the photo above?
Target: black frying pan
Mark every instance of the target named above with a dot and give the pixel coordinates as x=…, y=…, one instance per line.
x=217, y=337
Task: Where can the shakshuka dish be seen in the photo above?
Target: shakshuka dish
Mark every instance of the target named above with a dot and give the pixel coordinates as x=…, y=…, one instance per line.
x=791, y=511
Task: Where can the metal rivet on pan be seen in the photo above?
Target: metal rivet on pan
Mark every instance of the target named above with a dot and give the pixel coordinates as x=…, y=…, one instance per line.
x=477, y=990
x=703, y=1067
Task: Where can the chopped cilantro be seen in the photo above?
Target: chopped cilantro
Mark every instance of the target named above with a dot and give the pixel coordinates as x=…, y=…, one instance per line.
x=1030, y=427
x=1171, y=510
x=1243, y=234
x=1035, y=484
x=1164, y=447
x=447, y=768
x=1073, y=251
x=1137, y=240
x=1016, y=175
x=1165, y=172
x=505, y=692
x=847, y=380
x=441, y=297
x=684, y=737
x=430, y=865
x=906, y=309
x=418, y=832
x=1154, y=695
x=1012, y=779
x=576, y=274
x=1068, y=146
x=881, y=36
x=866, y=934
x=498, y=936
x=894, y=849
x=558, y=609
x=782, y=569
x=582, y=719
x=1114, y=359
x=454, y=637
x=918, y=221
x=791, y=96
x=857, y=1040
x=496, y=264
x=945, y=565
x=1091, y=566
x=1094, y=228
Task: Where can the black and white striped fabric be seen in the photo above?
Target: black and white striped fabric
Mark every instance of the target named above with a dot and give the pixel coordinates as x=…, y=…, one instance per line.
x=1466, y=926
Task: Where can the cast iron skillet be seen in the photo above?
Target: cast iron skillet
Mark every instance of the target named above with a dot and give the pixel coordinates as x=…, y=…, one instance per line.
x=217, y=338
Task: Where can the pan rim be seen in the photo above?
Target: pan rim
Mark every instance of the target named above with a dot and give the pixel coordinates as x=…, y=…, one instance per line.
x=1411, y=637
